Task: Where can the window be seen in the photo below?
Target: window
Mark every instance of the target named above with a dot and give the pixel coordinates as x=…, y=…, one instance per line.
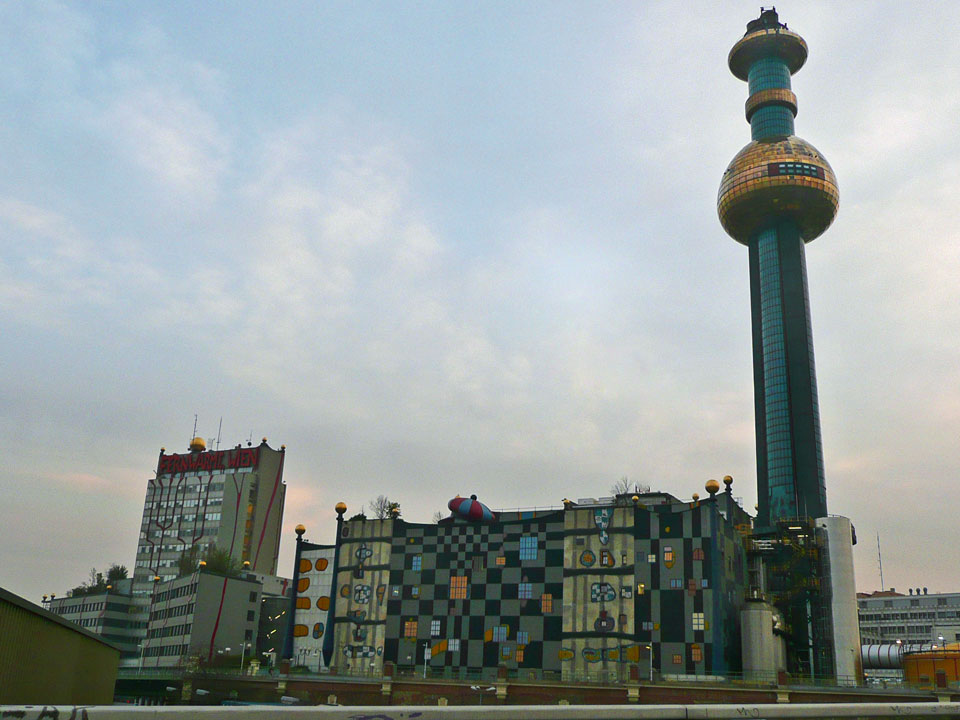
x=697, y=619
x=528, y=547
x=395, y=591
x=519, y=654
x=477, y=563
x=415, y=591
x=523, y=637
x=525, y=591
x=676, y=583
x=546, y=603
x=704, y=583
x=458, y=587
x=501, y=560
x=251, y=614
x=678, y=659
x=253, y=597
x=691, y=585
x=453, y=645
x=506, y=652
x=696, y=653
x=410, y=629
x=698, y=553
x=668, y=556
x=417, y=563
x=500, y=633
x=435, y=628
x=651, y=558
x=647, y=625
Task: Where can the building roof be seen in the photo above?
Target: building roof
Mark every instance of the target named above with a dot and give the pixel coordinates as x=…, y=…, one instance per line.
x=7, y=596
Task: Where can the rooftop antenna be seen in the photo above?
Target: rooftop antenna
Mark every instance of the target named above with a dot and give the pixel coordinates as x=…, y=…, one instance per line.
x=219, y=428
x=194, y=426
x=250, y=439
x=880, y=561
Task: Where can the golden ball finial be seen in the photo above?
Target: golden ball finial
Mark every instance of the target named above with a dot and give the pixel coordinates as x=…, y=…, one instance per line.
x=712, y=487
x=109, y=587
x=246, y=563
x=202, y=563
x=264, y=440
x=299, y=530
x=728, y=480
x=44, y=598
x=696, y=496
x=340, y=507
x=156, y=578
x=283, y=447
x=162, y=450
x=198, y=444
x=636, y=498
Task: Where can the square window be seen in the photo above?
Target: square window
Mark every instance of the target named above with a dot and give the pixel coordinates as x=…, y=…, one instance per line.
x=696, y=653
x=395, y=591
x=501, y=560
x=697, y=620
x=477, y=563
x=525, y=591
x=647, y=625
x=519, y=654
x=251, y=615
x=410, y=629
x=453, y=645
x=523, y=637
x=678, y=659
x=506, y=652
x=528, y=547
x=417, y=563
x=500, y=633
x=676, y=584
x=415, y=591
x=458, y=587
x=668, y=556
x=435, y=628
x=698, y=553
x=704, y=583
x=546, y=603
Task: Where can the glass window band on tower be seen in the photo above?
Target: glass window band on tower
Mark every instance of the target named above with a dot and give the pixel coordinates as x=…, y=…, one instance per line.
x=772, y=120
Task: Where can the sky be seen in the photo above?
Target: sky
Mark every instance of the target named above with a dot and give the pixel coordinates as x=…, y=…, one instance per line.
x=449, y=248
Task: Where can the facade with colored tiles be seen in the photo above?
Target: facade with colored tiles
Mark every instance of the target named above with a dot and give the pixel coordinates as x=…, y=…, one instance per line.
x=592, y=588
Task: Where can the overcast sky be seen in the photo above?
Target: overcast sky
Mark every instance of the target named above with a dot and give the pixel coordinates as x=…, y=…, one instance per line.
x=441, y=248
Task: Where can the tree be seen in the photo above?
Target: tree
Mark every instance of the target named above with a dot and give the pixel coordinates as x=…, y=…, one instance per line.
x=220, y=561
x=438, y=516
x=624, y=485
x=188, y=561
x=116, y=572
x=383, y=507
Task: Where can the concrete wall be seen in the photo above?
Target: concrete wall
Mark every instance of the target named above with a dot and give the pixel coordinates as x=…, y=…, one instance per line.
x=46, y=660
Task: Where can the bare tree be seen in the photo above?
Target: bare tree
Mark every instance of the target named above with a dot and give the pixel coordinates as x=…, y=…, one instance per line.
x=383, y=507
x=625, y=485
x=438, y=516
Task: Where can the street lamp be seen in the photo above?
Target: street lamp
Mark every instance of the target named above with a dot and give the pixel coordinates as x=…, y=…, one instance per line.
x=650, y=648
x=482, y=690
x=243, y=652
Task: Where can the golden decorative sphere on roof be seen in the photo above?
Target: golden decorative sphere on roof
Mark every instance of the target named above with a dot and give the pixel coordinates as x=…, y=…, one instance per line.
x=246, y=563
x=264, y=440
x=696, y=496
x=636, y=498
x=156, y=578
x=203, y=563
x=712, y=486
x=728, y=480
x=283, y=447
x=299, y=529
x=340, y=507
x=198, y=444
x=163, y=450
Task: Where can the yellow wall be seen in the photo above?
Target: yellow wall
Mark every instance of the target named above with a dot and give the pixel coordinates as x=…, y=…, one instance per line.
x=45, y=662
x=922, y=668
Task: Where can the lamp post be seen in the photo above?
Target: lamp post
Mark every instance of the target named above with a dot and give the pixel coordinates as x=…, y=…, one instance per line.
x=650, y=648
x=243, y=652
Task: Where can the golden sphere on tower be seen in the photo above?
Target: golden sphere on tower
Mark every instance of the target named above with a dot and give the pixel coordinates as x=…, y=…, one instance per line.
x=696, y=496
x=636, y=498
x=202, y=563
x=787, y=178
x=712, y=486
x=728, y=480
x=299, y=529
x=198, y=444
x=340, y=507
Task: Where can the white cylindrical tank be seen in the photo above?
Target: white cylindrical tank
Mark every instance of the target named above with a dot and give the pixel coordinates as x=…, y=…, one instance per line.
x=761, y=649
x=836, y=535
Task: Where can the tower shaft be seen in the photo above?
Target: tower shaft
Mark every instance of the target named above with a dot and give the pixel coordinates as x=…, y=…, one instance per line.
x=790, y=477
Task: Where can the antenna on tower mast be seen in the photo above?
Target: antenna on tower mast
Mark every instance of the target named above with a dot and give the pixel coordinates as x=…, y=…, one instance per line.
x=219, y=428
x=194, y=426
x=880, y=561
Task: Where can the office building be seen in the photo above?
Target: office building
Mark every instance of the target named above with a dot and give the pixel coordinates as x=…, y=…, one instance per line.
x=108, y=614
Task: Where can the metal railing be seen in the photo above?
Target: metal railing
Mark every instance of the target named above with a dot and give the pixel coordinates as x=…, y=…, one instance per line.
x=785, y=711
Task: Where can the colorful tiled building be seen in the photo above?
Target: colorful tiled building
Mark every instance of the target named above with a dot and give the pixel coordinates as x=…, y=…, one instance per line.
x=593, y=587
